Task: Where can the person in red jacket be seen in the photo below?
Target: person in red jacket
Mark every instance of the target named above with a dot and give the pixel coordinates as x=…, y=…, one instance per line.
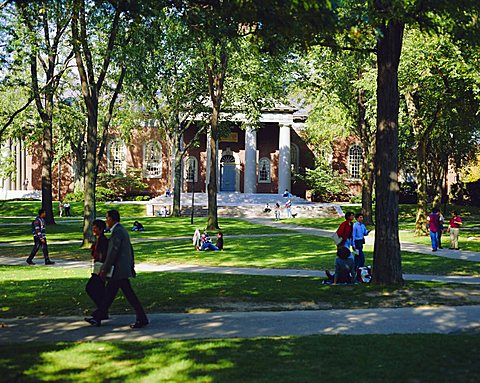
x=345, y=230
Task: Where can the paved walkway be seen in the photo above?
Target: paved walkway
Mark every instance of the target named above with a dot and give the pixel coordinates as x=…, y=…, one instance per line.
x=189, y=268
x=440, y=320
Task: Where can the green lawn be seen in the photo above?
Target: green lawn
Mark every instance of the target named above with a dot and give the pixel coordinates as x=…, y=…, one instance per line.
x=364, y=358
x=288, y=250
x=30, y=208
x=37, y=291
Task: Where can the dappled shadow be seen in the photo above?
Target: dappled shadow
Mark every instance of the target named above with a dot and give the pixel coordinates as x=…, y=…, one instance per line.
x=425, y=319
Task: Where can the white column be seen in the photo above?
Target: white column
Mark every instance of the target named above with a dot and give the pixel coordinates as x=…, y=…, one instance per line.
x=24, y=165
x=8, y=181
x=284, y=168
x=18, y=166
x=250, y=180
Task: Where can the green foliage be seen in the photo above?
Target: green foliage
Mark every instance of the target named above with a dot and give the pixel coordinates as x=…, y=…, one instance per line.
x=76, y=196
x=326, y=183
x=121, y=186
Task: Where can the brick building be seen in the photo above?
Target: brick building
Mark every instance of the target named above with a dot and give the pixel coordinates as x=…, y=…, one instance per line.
x=263, y=160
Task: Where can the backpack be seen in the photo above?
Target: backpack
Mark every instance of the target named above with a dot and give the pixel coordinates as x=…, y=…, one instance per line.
x=364, y=274
x=33, y=226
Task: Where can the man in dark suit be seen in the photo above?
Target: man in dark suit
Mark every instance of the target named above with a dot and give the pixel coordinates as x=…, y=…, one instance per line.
x=120, y=258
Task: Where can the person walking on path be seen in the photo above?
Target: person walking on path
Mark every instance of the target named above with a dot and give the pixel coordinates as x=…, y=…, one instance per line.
x=95, y=287
x=119, y=257
x=359, y=233
x=433, y=225
x=454, y=229
x=39, y=238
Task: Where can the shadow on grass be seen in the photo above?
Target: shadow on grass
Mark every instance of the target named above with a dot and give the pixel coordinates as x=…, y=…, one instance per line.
x=373, y=358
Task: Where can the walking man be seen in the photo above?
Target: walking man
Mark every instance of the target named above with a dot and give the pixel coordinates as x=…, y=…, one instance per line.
x=39, y=238
x=121, y=266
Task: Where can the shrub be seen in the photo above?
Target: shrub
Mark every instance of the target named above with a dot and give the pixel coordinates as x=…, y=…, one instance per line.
x=104, y=194
x=122, y=186
x=77, y=196
x=326, y=184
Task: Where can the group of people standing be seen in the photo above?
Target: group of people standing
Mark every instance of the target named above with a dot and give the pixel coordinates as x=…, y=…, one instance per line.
x=349, y=236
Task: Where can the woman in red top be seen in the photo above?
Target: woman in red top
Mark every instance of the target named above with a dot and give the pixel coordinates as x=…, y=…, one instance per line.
x=345, y=230
x=454, y=229
x=95, y=287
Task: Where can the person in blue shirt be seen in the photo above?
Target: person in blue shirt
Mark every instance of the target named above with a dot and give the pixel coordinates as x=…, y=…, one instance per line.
x=359, y=233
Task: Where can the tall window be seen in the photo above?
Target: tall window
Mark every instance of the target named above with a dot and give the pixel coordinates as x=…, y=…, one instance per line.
x=152, y=159
x=264, y=170
x=354, y=161
x=294, y=157
x=191, y=169
x=116, y=157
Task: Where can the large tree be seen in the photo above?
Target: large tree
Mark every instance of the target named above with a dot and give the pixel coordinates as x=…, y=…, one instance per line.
x=46, y=23
x=438, y=84
x=96, y=31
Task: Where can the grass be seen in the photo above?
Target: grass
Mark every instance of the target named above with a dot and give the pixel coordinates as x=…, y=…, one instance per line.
x=289, y=250
x=155, y=228
x=295, y=251
x=371, y=358
x=38, y=291
x=21, y=208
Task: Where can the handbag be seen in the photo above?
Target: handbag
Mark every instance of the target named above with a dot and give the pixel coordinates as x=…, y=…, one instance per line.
x=337, y=239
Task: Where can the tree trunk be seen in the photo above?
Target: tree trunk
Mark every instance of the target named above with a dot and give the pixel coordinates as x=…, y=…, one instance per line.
x=89, y=205
x=47, y=157
x=387, y=266
x=212, y=221
x=368, y=150
x=177, y=184
x=422, y=197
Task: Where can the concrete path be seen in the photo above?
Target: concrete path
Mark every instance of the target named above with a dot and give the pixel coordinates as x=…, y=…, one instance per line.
x=439, y=320
x=189, y=268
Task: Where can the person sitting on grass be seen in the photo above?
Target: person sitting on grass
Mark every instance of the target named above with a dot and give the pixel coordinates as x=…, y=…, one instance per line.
x=137, y=226
x=219, y=244
x=206, y=242
x=344, y=268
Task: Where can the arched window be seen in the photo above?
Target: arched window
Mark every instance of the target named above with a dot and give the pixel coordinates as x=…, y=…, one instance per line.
x=294, y=157
x=191, y=169
x=116, y=157
x=264, y=170
x=354, y=161
x=228, y=159
x=152, y=159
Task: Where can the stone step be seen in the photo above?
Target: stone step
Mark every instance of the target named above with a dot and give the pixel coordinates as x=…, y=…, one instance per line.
x=256, y=211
